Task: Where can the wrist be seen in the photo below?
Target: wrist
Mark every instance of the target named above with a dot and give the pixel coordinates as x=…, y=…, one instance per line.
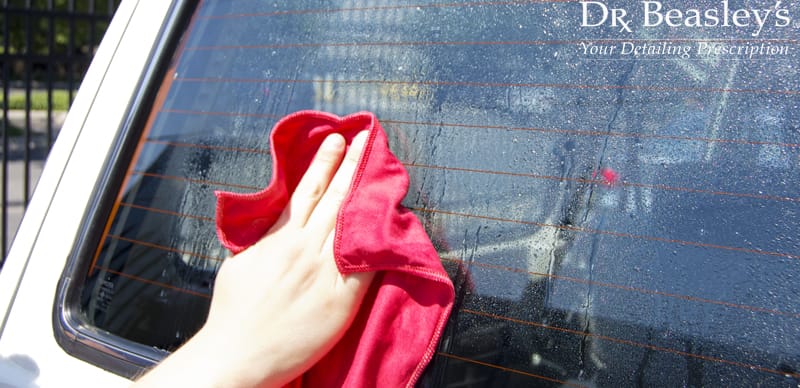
x=206, y=360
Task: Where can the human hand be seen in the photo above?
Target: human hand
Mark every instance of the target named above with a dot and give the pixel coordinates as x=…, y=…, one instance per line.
x=280, y=305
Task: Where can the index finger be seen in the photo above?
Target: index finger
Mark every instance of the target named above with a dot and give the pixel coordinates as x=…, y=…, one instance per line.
x=323, y=218
x=314, y=182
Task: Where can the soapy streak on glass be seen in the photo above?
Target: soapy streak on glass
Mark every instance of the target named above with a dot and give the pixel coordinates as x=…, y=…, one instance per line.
x=185, y=75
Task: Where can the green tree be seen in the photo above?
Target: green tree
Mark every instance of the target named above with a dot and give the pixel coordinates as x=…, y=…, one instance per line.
x=75, y=28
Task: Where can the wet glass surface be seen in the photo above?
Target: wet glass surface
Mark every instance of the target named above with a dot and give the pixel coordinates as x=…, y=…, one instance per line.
x=607, y=219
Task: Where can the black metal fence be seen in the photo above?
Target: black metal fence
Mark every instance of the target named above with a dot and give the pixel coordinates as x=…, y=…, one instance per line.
x=47, y=46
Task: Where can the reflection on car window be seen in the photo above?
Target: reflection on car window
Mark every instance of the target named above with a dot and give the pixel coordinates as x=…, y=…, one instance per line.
x=615, y=207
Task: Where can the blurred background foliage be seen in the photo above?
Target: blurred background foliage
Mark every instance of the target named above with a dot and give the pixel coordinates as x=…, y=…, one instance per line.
x=58, y=37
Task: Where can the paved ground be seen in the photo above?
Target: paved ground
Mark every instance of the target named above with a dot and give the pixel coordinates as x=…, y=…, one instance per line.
x=37, y=153
x=16, y=174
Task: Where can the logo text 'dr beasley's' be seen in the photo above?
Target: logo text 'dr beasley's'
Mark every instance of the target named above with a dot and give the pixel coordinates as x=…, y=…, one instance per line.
x=597, y=13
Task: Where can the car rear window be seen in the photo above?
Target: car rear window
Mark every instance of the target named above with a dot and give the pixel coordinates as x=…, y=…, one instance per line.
x=615, y=207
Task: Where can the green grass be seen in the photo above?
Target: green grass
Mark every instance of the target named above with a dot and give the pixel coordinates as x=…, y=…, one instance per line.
x=38, y=100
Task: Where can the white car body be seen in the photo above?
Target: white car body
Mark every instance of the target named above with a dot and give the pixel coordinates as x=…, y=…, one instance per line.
x=37, y=257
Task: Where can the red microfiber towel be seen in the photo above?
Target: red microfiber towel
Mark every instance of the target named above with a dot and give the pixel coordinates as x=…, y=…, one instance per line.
x=398, y=326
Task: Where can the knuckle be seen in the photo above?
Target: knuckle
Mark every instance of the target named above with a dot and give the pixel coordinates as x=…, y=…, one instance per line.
x=314, y=192
x=353, y=157
x=338, y=192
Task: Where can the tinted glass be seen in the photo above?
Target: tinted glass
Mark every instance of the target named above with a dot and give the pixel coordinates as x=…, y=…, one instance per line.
x=615, y=207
